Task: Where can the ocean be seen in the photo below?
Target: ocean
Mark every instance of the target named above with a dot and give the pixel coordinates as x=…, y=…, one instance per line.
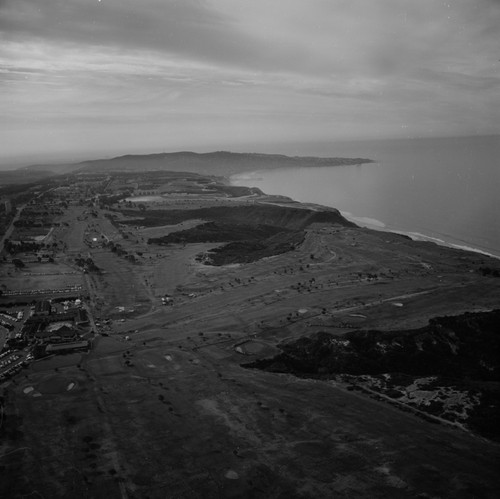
x=445, y=190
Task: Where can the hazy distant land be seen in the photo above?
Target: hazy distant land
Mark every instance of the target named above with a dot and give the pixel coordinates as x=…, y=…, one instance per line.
x=235, y=343
x=213, y=163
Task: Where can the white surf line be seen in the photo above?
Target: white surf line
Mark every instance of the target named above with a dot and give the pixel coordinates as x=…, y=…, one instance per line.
x=378, y=225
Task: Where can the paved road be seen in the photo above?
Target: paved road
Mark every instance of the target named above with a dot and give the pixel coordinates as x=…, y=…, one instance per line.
x=9, y=230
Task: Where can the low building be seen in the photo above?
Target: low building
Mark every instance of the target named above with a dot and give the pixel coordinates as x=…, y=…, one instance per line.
x=62, y=348
x=43, y=308
x=60, y=335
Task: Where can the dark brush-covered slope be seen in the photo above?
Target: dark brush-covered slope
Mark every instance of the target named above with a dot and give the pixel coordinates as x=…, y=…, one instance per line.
x=460, y=352
x=463, y=347
x=285, y=217
x=248, y=242
x=252, y=232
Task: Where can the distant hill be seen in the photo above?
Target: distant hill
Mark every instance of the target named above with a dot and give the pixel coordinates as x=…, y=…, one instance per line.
x=23, y=176
x=213, y=163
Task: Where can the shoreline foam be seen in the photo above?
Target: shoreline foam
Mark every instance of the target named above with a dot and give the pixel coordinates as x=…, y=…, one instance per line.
x=372, y=223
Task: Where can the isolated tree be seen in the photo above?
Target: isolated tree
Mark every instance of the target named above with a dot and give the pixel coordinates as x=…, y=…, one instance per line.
x=19, y=264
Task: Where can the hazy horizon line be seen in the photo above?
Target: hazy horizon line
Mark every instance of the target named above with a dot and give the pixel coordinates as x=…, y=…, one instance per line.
x=83, y=157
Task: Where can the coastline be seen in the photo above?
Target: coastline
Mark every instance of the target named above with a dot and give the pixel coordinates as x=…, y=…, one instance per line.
x=367, y=221
x=374, y=224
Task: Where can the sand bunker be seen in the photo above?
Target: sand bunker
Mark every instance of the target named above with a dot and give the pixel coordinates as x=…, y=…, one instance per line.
x=231, y=475
x=255, y=348
x=29, y=390
x=145, y=199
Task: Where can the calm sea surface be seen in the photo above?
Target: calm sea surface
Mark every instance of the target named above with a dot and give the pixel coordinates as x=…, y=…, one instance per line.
x=447, y=190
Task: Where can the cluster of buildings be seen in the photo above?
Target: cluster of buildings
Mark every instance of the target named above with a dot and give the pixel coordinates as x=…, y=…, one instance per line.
x=52, y=331
x=51, y=328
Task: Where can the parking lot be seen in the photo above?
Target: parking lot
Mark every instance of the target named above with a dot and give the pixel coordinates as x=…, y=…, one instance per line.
x=12, y=362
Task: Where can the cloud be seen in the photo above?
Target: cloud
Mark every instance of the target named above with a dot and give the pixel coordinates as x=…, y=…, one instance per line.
x=318, y=37
x=192, y=69
x=181, y=29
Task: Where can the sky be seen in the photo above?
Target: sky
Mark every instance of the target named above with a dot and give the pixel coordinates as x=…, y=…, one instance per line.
x=82, y=79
